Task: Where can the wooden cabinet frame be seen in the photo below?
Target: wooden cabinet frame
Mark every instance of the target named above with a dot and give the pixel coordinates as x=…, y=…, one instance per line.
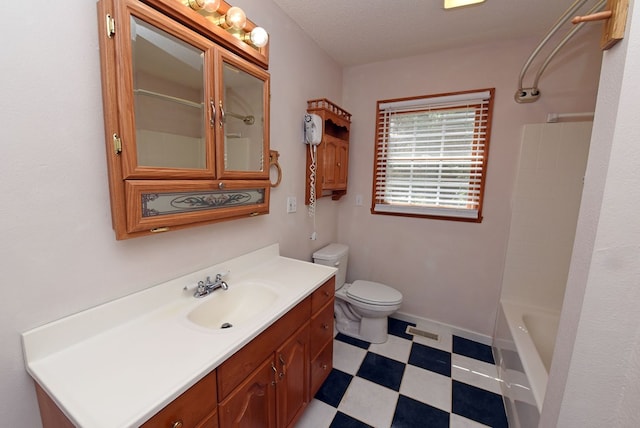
x=332, y=154
x=127, y=179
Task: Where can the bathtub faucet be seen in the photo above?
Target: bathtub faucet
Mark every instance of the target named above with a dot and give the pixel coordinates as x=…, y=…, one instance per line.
x=207, y=286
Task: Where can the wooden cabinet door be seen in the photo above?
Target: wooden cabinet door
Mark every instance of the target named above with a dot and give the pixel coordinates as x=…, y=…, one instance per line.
x=253, y=403
x=163, y=111
x=292, y=361
x=243, y=107
x=329, y=164
x=335, y=163
x=342, y=165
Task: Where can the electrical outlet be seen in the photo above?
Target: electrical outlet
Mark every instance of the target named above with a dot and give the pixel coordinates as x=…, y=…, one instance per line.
x=292, y=204
x=358, y=200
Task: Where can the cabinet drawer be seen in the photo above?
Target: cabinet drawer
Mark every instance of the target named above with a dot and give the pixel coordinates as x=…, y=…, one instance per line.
x=321, y=367
x=210, y=421
x=321, y=328
x=192, y=407
x=242, y=363
x=323, y=294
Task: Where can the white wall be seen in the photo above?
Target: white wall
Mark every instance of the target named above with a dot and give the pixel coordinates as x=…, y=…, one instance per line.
x=449, y=271
x=595, y=373
x=58, y=254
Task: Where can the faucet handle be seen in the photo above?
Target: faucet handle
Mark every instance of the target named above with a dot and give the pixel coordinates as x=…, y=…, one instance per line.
x=221, y=275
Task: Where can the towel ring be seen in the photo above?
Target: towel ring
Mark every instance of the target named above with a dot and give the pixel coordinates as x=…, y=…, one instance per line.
x=273, y=161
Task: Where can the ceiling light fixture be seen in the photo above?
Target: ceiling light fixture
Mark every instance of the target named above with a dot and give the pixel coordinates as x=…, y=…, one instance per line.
x=450, y=4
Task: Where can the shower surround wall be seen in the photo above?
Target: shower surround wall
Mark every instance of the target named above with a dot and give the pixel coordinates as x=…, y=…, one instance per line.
x=546, y=202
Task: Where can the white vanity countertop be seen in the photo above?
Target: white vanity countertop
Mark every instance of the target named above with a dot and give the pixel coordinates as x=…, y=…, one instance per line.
x=118, y=364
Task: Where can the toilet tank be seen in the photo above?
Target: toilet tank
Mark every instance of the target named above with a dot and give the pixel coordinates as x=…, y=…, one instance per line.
x=335, y=255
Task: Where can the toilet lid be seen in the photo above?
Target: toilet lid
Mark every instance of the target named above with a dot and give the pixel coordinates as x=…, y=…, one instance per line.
x=374, y=293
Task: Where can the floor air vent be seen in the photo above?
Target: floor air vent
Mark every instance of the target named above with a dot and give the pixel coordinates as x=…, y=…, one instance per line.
x=417, y=332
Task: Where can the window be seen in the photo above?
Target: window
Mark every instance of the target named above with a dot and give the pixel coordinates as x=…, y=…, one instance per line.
x=431, y=155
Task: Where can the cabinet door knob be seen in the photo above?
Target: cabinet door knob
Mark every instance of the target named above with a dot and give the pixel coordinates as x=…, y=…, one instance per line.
x=177, y=424
x=324, y=367
x=326, y=294
x=338, y=164
x=325, y=326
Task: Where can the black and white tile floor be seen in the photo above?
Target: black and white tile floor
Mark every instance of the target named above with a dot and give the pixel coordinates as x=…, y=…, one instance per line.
x=408, y=382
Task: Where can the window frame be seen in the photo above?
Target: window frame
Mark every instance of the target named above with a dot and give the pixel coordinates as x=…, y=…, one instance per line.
x=482, y=101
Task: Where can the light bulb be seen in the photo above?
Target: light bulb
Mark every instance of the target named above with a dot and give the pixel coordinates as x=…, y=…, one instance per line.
x=211, y=6
x=259, y=37
x=235, y=18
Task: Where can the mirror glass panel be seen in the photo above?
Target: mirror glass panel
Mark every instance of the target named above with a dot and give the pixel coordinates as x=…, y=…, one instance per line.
x=243, y=120
x=169, y=99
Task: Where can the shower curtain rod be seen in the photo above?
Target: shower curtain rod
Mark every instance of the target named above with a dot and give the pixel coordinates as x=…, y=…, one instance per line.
x=555, y=117
x=531, y=94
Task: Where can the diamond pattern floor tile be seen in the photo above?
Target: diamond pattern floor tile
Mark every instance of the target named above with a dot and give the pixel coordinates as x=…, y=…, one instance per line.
x=405, y=383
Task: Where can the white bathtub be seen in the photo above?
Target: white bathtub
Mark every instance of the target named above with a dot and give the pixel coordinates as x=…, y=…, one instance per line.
x=523, y=345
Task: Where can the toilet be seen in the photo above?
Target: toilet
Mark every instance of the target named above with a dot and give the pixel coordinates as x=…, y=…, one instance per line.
x=361, y=308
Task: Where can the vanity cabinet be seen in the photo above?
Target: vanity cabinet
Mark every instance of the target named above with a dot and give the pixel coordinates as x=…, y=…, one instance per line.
x=186, y=108
x=252, y=403
x=196, y=407
x=266, y=383
x=268, y=378
x=321, y=350
x=332, y=154
x=292, y=386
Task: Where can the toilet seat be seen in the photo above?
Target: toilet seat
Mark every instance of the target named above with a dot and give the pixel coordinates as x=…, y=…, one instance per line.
x=373, y=293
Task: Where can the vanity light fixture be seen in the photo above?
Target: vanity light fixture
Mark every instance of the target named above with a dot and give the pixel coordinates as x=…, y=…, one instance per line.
x=450, y=4
x=235, y=18
x=210, y=6
x=258, y=37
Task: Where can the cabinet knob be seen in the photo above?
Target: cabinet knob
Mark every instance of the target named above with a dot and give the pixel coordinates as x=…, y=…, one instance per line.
x=327, y=294
x=220, y=185
x=177, y=424
x=325, y=326
x=324, y=367
x=338, y=164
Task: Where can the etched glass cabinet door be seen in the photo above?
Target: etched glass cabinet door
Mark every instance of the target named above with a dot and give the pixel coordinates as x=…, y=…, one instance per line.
x=167, y=93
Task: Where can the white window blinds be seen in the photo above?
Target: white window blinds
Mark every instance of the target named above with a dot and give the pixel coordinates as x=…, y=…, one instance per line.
x=431, y=155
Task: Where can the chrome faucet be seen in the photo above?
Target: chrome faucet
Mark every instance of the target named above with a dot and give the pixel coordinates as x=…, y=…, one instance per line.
x=207, y=286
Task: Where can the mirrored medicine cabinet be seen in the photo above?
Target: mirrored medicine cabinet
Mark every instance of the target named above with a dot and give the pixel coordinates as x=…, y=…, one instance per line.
x=186, y=107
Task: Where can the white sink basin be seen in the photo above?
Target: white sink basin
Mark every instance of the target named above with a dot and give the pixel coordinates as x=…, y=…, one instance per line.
x=235, y=307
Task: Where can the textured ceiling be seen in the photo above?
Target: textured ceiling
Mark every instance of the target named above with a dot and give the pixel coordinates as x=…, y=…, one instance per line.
x=358, y=31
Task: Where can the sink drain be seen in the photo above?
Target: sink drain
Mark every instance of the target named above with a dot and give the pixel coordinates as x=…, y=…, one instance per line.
x=226, y=325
